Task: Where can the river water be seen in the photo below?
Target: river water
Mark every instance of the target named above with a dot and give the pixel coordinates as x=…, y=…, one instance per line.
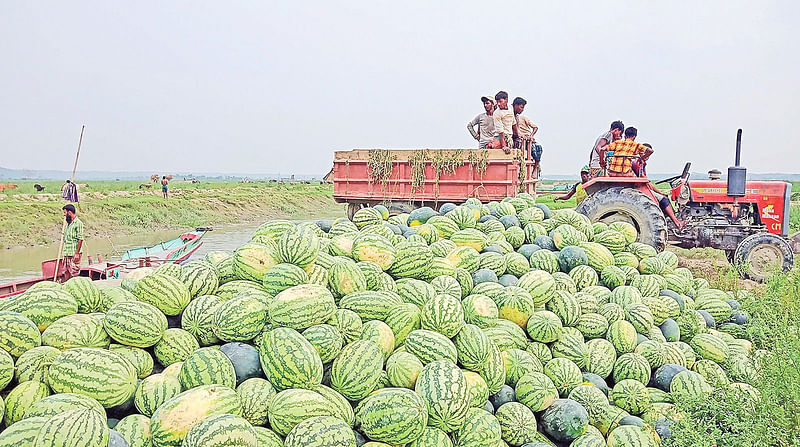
x=25, y=262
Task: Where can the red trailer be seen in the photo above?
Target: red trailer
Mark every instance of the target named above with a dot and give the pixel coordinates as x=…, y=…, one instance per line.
x=406, y=179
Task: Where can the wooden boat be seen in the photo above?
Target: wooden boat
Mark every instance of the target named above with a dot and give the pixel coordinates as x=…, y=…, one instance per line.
x=177, y=250
x=94, y=271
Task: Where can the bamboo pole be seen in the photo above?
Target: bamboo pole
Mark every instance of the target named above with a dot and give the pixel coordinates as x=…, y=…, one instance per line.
x=64, y=222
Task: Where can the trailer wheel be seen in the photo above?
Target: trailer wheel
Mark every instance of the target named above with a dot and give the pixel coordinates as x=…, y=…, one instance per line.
x=759, y=252
x=631, y=206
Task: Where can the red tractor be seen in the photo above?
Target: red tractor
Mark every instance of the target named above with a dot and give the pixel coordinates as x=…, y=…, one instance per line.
x=747, y=220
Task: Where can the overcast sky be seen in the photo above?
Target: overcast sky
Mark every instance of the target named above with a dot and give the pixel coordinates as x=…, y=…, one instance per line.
x=265, y=86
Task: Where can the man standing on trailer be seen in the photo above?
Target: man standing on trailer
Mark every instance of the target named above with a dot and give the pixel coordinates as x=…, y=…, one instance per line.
x=597, y=158
x=73, y=241
x=524, y=134
x=485, y=123
x=503, y=123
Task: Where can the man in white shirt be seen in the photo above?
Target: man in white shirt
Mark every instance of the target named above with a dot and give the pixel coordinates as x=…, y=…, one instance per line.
x=597, y=158
x=485, y=123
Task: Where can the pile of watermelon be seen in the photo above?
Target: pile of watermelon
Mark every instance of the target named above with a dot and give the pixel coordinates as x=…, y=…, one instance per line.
x=485, y=325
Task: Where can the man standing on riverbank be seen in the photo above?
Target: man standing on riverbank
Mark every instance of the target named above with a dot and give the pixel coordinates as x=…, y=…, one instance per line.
x=73, y=241
x=164, y=187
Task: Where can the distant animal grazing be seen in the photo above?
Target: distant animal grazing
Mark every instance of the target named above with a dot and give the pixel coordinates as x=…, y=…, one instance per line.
x=39, y=188
x=83, y=185
x=11, y=186
x=146, y=186
x=154, y=178
x=2, y=187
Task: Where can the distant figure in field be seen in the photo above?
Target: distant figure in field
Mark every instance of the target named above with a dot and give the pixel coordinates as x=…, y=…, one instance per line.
x=38, y=187
x=69, y=191
x=73, y=241
x=164, y=188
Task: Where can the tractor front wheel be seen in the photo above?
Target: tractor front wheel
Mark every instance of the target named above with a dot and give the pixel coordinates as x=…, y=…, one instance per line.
x=631, y=206
x=757, y=253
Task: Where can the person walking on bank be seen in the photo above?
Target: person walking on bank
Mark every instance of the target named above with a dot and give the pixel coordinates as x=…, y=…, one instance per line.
x=69, y=191
x=73, y=241
x=503, y=123
x=164, y=183
x=597, y=158
x=485, y=123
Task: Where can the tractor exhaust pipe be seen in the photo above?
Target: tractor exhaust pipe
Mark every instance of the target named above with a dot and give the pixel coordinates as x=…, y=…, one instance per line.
x=737, y=175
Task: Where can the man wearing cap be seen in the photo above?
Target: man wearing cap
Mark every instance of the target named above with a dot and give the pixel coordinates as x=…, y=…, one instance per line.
x=485, y=123
x=714, y=174
x=503, y=123
x=73, y=241
x=577, y=189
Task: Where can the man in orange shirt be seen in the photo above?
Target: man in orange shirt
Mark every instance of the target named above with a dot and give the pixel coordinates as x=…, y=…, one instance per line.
x=619, y=162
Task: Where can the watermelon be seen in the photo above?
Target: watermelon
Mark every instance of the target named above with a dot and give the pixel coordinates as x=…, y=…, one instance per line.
x=198, y=318
x=689, y=385
x=86, y=294
x=394, y=415
x=77, y=427
x=207, y=366
x=172, y=421
x=710, y=347
x=630, y=395
x=43, y=306
x=622, y=335
x=565, y=420
x=135, y=429
x=600, y=357
x=564, y=373
x=22, y=433
x=200, y=278
x=402, y=369
x=240, y=318
x=369, y=305
x=18, y=333
x=252, y=260
x=344, y=277
x=443, y=314
x=21, y=399
x=539, y=284
x=176, y=345
x=153, y=391
x=480, y=428
x=320, y=431
x=97, y=373
x=480, y=310
x=141, y=360
x=443, y=388
x=76, y=331
x=33, y=364
x=411, y=261
x=517, y=423
x=289, y=360
x=136, y=323
x=299, y=246
x=402, y=319
x=381, y=334
x=254, y=395
x=290, y=407
x=632, y=366
x=170, y=295
x=348, y=323
x=356, y=371
x=519, y=363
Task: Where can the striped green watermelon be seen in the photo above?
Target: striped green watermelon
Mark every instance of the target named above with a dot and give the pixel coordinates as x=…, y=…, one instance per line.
x=240, y=319
x=221, y=430
x=632, y=366
x=372, y=273
x=141, y=360
x=137, y=324
x=536, y=391
x=234, y=288
x=640, y=316
x=443, y=388
x=255, y=395
x=6, y=369
x=370, y=305
x=22, y=433
x=252, y=260
x=652, y=351
x=170, y=269
x=302, y=306
x=630, y=435
x=299, y=246
x=507, y=335
x=176, y=345
x=292, y=406
x=517, y=423
x=381, y=334
x=402, y=369
x=170, y=295
x=198, y=318
x=86, y=294
x=544, y=327
x=519, y=363
x=465, y=257
x=402, y=319
x=564, y=373
x=593, y=399
x=207, y=366
x=622, y=335
x=77, y=331
x=584, y=276
x=374, y=248
x=289, y=360
x=33, y=364
x=566, y=306
x=478, y=389
x=367, y=216
x=393, y=415
x=326, y=339
x=273, y=229
x=97, y=373
x=443, y=314
x=282, y=276
x=480, y=428
x=113, y=295
x=43, y=306
x=78, y=427
x=348, y=323
x=430, y=346
x=592, y=325
x=539, y=284
x=356, y=371
x=599, y=256
x=480, y=310
x=21, y=398
x=153, y=391
x=135, y=429
x=320, y=431
x=600, y=358
x=710, y=347
x=200, y=278
x=344, y=277
x=570, y=345
x=613, y=240
x=18, y=333
x=172, y=421
x=631, y=395
x=566, y=235
x=473, y=347
x=411, y=261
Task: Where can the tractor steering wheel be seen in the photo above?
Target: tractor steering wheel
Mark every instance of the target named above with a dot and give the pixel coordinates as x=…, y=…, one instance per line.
x=669, y=179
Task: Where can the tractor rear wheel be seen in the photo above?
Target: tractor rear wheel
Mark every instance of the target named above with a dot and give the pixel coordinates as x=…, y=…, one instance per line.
x=631, y=206
x=758, y=252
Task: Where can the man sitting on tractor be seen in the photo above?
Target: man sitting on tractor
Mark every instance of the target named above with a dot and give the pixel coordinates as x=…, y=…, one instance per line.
x=623, y=154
